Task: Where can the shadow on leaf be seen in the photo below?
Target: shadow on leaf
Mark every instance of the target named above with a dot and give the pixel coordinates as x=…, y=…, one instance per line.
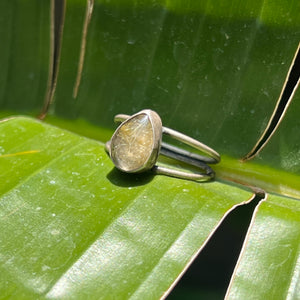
x=122, y=179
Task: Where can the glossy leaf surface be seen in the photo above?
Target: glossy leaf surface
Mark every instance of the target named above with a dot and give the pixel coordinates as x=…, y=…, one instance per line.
x=80, y=228
x=24, y=54
x=272, y=246
x=212, y=70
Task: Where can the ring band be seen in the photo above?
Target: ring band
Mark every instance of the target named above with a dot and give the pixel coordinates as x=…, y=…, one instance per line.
x=137, y=142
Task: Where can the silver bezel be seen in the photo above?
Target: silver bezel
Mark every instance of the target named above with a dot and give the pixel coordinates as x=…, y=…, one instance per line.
x=157, y=137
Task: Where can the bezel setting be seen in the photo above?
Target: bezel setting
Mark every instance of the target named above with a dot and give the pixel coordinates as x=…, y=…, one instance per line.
x=132, y=159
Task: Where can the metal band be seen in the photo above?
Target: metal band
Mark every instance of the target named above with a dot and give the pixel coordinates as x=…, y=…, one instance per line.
x=180, y=174
x=208, y=175
x=198, y=176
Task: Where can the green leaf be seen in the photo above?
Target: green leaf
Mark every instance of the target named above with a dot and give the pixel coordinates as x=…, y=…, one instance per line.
x=211, y=74
x=24, y=54
x=81, y=229
x=269, y=266
x=211, y=69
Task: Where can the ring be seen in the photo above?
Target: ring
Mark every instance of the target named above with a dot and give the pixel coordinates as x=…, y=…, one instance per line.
x=137, y=142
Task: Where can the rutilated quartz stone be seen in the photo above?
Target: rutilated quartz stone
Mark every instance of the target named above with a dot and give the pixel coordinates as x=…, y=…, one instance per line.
x=132, y=143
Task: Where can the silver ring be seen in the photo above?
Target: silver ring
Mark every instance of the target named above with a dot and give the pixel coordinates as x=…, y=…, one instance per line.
x=137, y=142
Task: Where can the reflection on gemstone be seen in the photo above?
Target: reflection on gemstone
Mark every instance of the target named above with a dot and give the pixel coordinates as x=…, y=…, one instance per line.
x=132, y=143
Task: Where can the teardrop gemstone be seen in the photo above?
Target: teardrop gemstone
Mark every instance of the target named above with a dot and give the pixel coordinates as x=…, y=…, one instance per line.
x=132, y=143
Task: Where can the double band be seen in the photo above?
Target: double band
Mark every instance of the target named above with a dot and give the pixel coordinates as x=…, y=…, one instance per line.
x=137, y=142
